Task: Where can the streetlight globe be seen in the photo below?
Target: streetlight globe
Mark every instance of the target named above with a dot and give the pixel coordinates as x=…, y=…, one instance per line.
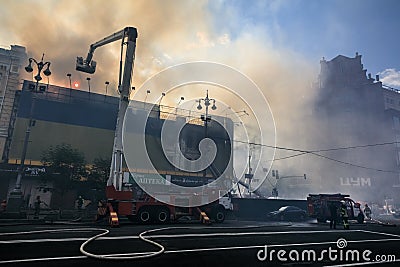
x=214, y=107
x=38, y=78
x=199, y=107
x=29, y=68
x=47, y=72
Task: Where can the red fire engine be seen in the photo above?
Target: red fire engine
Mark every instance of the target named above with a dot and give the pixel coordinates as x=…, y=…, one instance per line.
x=318, y=206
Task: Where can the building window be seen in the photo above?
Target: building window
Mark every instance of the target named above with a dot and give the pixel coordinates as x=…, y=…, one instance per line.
x=398, y=158
x=14, y=69
x=396, y=123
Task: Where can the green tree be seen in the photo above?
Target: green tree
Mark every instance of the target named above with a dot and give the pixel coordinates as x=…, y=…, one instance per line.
x=65, y=160
x=99, y=172
x=66, y=167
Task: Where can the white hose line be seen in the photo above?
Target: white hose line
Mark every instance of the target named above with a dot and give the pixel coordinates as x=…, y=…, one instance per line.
x=107, y=257
x=142, y=255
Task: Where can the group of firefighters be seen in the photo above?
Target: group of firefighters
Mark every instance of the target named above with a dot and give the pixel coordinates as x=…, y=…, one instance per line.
x=342, y=211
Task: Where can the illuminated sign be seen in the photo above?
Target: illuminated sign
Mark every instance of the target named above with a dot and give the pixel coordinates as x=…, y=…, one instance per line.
x=355, y=181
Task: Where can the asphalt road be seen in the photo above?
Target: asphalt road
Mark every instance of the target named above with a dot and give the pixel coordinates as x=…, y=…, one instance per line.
x=232, y=243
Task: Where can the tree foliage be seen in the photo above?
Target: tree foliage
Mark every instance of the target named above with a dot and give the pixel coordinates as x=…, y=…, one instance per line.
x=99, y=172
x=66, y=161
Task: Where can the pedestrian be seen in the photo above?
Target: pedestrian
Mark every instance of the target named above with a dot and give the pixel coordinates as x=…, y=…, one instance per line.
x=3, y=205
x=101, y=210
x=345, y=216
x=367, y=212
x=333, y=215
x=79, y=202
x=37, y=205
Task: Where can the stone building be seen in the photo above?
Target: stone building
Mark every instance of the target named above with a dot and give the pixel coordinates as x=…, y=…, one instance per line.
x=11, y=62
x=358, y=117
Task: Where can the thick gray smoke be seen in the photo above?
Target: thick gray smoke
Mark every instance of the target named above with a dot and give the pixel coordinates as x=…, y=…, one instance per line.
x=173, y=32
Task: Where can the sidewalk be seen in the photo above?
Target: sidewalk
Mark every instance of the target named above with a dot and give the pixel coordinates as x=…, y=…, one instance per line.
x=47, y=215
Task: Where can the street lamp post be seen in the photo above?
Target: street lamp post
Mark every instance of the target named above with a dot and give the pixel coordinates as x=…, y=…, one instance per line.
x=70, y=82
x=107, y=83
x=176, y=109
x=162, y=96
x=70, y=86
x=206, y=118
x=88, y=81
x=15, y=198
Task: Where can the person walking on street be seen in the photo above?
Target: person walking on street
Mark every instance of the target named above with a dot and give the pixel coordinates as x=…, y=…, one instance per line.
x=333, y=213
x=79, y=202
x=345, y=216
x=37, y=204
x=367, y=212
x=3, y=205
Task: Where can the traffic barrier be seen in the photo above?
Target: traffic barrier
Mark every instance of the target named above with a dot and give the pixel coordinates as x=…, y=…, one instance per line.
x=114, y=222
x=203, y=217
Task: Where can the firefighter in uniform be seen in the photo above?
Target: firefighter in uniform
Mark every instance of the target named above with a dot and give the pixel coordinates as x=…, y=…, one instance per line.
x=367, y=211
x=101, y=210
x=345, y=216
x=333, y=215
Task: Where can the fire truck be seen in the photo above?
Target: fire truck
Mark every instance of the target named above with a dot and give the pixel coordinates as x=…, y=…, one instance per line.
x=318, y=206
x=124, y=196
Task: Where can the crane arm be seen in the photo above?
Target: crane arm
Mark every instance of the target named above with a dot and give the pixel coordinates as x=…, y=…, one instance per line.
x=88, y=65
x=128, y=36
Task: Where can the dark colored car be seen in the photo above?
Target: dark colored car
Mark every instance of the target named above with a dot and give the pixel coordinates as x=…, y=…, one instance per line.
x=288, y=213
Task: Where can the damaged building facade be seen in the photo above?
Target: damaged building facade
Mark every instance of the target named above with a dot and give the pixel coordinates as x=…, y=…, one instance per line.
x=357, y=131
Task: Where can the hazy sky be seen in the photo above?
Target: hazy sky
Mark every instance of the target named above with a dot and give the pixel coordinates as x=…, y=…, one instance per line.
x=276, y=43
x=173, y=31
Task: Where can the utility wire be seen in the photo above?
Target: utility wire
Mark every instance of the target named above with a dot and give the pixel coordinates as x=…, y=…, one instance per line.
x=315, y=153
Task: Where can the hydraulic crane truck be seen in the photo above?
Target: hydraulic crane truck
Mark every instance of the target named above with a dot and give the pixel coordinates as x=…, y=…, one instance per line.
x=133, y=202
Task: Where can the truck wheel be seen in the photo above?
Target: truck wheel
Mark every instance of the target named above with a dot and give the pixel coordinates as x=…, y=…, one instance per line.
x=219, y=214
x=163, y=215
x=144, y=215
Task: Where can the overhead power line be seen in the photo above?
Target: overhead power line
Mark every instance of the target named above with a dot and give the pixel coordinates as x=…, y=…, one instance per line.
x=317, y=153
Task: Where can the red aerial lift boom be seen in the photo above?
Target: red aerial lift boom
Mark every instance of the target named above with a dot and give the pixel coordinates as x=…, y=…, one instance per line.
x=126, y=202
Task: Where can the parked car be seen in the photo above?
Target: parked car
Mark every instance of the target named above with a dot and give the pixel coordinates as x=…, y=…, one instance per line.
x=288, y=213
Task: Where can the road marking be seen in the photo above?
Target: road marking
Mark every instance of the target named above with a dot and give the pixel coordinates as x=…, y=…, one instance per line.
x=198, y=250
x=214, y=248
x=173, y=235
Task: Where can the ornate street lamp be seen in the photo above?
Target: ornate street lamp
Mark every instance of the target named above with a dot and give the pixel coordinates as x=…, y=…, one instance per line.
x=15, y=198
x=207, y=102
